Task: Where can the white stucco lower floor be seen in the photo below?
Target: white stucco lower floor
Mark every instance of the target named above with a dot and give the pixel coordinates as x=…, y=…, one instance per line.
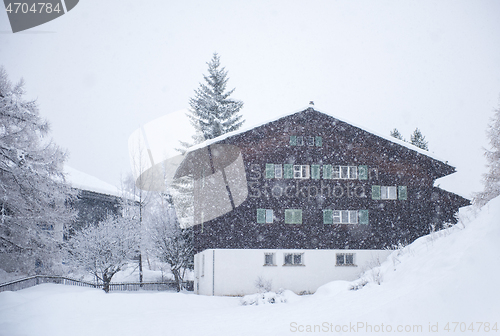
x=236, y=271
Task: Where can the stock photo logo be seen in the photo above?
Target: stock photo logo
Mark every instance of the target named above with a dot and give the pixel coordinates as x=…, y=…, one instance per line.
x=26, y=14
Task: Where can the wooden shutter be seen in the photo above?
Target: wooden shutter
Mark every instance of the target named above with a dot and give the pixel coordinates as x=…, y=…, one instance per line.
x=288, y=171
x=261, y=216
x=363, y=172
x=293, y=140
x=327, y=217
x=269, y=216
x=363, y=217
x=375, y=192
x=269, y=170
x=319, y=141
x=327, y=172
x=297, y=217
x=402, y=193
x=315, y=172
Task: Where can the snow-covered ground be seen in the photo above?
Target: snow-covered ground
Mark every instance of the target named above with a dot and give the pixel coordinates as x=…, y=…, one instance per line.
x=447, y=279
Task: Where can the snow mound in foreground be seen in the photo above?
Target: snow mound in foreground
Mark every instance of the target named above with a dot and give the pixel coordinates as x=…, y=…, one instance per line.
x=447, y=276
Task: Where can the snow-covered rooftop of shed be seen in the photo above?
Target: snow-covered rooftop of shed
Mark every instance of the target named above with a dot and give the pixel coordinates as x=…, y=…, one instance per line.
x=388, y=138
x=83, y=181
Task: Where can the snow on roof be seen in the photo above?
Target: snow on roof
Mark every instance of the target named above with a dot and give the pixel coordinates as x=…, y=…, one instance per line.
x=388, y=138
x=83, y=181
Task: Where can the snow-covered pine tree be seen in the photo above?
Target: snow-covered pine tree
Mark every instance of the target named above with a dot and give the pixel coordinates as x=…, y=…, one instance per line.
x=34, y=197
x=212, y=112
x=417, y=139
x=396, y=134
x=491, y=179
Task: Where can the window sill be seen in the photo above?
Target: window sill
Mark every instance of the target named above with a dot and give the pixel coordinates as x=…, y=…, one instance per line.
x=346, y=265
x=269, y=265
x=290, y=265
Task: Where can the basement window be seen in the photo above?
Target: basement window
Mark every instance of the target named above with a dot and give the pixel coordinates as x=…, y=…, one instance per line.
x=293, y=259
x=345, y=259
x=269, y=259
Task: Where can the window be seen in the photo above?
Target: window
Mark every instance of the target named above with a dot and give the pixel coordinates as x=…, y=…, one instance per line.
x=300, y=141
x=308, y=140
x=345, y=259
x=278, y=171
x=294, y=259
x=293, y=216
x=269, y=259
x=300, y=171
x=264, y=216
x=273, y=171
x=345, y=172
x=345, y=216
x=387, y=192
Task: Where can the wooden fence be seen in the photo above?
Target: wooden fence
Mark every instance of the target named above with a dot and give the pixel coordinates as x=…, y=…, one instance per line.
x=128, y=286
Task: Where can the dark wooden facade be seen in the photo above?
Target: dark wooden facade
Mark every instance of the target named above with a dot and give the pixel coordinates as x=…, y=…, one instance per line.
x=389, y=164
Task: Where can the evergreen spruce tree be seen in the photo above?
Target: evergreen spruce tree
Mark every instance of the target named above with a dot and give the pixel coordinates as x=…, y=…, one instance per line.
x=212, y=112
x=491, y=179
x=396, y=134
x=417, y=139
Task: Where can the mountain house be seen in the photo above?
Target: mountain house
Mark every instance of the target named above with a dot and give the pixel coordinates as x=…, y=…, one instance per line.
x=307, y=199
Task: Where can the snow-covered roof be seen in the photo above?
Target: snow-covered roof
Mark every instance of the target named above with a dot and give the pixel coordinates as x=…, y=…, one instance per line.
x=83, y=181
x=388, y=138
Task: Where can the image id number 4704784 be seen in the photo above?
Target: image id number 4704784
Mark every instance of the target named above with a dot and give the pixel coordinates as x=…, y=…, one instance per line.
x=37, y=7
x=471, y=327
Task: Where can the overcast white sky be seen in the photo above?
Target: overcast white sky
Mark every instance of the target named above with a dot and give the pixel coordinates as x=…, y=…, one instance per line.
x=106, y=67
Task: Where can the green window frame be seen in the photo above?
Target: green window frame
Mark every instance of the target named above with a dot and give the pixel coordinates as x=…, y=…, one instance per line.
x=375, y=192
x=319, y=141
x=315, y=172
x=269, y=170
x=402, y=193
x=293, y=140
x=293, y=216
